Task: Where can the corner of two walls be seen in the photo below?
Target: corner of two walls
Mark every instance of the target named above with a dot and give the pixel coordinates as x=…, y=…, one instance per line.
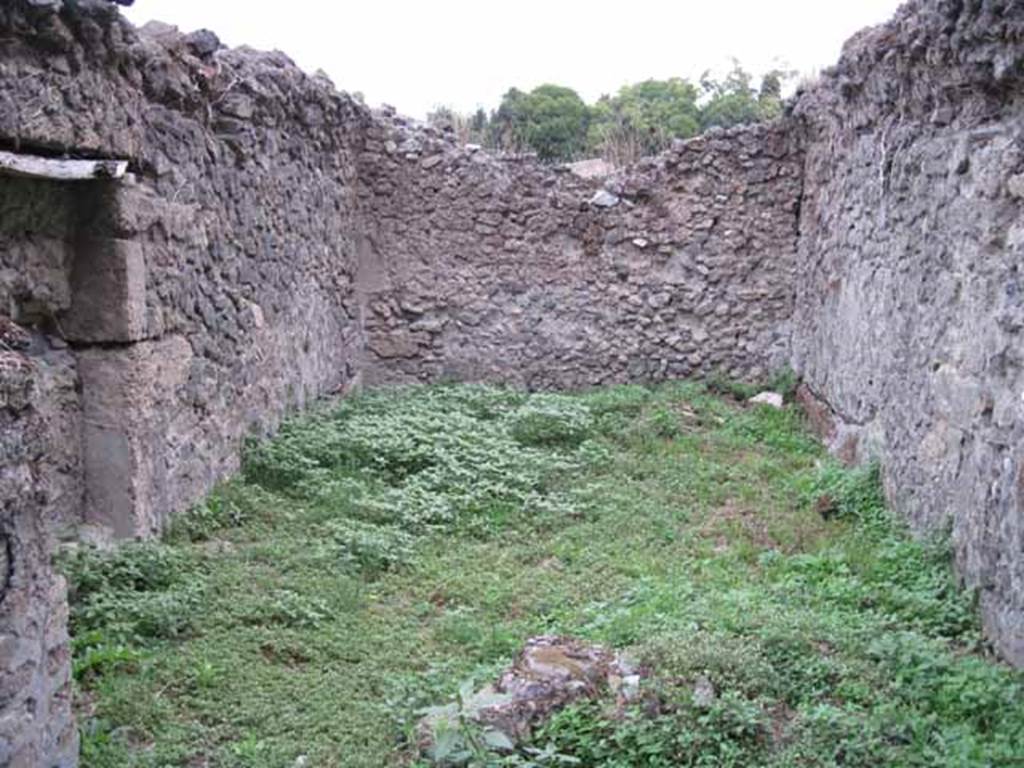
x=872, y=239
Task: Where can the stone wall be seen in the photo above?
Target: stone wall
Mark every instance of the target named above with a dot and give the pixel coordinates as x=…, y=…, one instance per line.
x=481, y=267
x=209, y=293
x=163, y=318
x=41, y=485
x=275, y=242
x=37, y=219
x=36, y=726
x=910, y=308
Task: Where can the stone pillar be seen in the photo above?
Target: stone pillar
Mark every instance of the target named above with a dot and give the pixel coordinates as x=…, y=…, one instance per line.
x=108, y=293
x=127, y=395
x=125, y=375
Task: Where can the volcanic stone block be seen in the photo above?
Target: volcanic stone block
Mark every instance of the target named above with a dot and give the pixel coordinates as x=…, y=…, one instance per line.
x=108, y=292
x=127, y=394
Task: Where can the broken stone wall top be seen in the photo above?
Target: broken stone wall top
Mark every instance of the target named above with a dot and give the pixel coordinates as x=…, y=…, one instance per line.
x=935, y=62
x=82, y=79
x=501, y=268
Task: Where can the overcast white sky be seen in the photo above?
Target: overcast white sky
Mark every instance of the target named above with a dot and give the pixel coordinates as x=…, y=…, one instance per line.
x=416, y=55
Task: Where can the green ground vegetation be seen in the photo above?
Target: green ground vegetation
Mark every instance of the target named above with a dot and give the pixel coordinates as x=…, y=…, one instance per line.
x=381, y=553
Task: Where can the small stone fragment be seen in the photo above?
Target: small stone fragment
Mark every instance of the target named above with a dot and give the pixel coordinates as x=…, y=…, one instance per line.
x=1015, y=186
x=548, y=674
x=771, y=399
x=604, y=199
x=703, y=693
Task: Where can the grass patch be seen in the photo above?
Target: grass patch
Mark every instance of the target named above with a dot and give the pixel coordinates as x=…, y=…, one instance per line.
x=374, y=557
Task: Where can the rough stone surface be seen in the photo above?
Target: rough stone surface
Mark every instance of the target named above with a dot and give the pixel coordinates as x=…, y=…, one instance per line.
x=36, y=224
x=36, y=726
x=910, y=308
x=235, y=236
x=108, y=292
x=134, y=439
x=276, y=241
x=173, y=314
x=501, y=269
x=548, y=674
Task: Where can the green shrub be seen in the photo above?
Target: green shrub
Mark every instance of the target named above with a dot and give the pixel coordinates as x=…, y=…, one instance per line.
x=551, y=420
x=229, y=506
x=372, y=548
x=625, y=399
x=854, y=494
x=95, y=655
x=664, y=423
x=134, y=617
x=729, y=732
x=785, y=382
x=132, y=567
x=780, y=430
x=138, y=592
x=283, y=607
x=723, y=385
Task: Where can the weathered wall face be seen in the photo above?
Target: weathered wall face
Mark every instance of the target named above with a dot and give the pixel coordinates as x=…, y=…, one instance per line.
x=41, y=479
x=41, y=474
x=910, y=310
x=483, y=268
x=170, y=315
x=36, y=725
x=210, y=293
x=37, y=223
x=276, y=241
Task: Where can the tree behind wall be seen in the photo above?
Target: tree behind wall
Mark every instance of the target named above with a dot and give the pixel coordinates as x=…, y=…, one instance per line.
x=550, y=120
x=640, y=119
x=643, y=118
x=733, y=99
